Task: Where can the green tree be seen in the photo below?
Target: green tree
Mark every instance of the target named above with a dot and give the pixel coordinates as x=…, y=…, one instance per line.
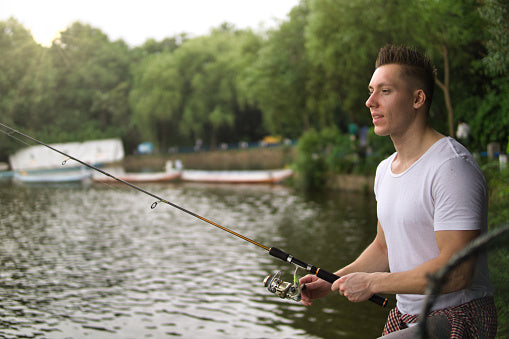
x=342, y=40
x=452, y=32
x=489, y=120
x=278, y=80
x=495, y=14
x=152, y=47
x=218, y=104
x=194, y=91
x=92, y=83
x=20, y=56
x=157, y=97
x=212, y=99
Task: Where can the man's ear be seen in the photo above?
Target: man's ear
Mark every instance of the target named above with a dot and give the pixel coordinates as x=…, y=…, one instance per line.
x=419, y=98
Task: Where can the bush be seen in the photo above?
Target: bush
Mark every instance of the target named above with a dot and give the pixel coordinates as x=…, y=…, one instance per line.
x=498, y=214
x=328, y=151
x=310, y=162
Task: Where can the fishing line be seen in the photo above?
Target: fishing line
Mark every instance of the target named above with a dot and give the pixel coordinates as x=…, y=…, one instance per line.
x=154, y=204
x=275, y=252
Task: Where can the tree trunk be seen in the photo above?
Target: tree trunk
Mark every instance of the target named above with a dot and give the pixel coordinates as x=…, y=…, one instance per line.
x=445, y=86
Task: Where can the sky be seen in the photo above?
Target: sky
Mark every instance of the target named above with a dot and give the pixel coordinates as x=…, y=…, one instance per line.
x=135, y=21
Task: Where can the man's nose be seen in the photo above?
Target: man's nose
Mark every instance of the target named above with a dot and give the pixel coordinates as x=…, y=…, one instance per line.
x=370, y=101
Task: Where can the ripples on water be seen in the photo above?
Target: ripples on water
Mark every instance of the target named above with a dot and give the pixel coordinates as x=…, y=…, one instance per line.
x=98, y=262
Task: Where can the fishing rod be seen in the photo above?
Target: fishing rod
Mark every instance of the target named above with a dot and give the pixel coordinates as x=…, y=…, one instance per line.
x=273, y=283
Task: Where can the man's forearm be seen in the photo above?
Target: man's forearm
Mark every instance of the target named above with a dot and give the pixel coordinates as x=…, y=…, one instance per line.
x=415, y=281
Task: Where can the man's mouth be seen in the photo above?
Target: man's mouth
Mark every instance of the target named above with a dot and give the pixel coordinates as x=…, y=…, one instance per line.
x=376, y=117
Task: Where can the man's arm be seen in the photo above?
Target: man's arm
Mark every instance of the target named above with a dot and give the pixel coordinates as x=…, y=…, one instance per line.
x=360, y=286
x=372, y=259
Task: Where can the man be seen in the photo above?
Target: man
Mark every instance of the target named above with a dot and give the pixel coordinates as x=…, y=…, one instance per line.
x=431, y=202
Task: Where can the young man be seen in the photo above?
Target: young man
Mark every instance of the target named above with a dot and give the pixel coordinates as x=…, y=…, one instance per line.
x=431, y=202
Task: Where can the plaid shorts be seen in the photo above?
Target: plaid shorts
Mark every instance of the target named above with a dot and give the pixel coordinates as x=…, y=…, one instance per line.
x=475, y=319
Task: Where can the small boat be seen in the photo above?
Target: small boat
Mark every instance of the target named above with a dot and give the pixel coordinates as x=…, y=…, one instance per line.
x=52, y=177
x=6, y=175
x=139, y=177
x=170, y=173
x=237, y=177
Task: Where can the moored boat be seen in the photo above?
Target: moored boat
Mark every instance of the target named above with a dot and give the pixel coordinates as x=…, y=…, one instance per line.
x=52, y=177
x=139, y=177
x=237, y=177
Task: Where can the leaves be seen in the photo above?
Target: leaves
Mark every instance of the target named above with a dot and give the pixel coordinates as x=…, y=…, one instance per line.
x=310, y=72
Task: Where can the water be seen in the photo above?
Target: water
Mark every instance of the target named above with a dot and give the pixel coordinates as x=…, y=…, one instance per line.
x=98, y=262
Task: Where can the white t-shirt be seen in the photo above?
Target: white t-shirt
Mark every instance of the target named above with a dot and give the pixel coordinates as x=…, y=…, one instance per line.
x=443, y=190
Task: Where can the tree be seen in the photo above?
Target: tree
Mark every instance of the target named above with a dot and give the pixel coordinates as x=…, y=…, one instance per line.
x=92, y=78
x=342, y=41
x=157, y=98
x=278, y=79
x=212, y=99
x=18, y=53
x=451, y=31
x=194, y=92
x=151, y=47
x=20, y=57
x=488, y=108
x=217, y=104
x=495, y=14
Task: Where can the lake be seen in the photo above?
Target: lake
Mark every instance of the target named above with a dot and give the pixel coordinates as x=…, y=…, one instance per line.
x=97, y=262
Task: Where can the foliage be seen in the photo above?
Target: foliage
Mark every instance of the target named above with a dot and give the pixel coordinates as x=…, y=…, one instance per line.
x=193, y=92
x=306, y=78
x=495, y=14
x=278, y=77
x=236, y=85
x=310, y=162
x=330, y=152
x=487, y=124
x=91, y=81
x=498, y=184
x=156, y=97
x=342, y=40
x=453, y=47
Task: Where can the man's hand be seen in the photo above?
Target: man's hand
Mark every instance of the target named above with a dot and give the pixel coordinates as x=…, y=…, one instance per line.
x=314, y=288
x=354, y=286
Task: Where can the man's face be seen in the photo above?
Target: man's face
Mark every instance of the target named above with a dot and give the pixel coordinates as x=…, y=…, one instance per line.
x=391, y=101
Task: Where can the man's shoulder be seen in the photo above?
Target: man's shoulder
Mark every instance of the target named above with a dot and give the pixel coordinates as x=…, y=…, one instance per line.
x=452, y=158
x=449, y=148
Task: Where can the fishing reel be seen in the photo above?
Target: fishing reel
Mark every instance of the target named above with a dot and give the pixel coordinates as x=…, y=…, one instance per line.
x=284, y=289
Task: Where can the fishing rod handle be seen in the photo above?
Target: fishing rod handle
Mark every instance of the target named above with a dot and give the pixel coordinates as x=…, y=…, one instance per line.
x=320, y=273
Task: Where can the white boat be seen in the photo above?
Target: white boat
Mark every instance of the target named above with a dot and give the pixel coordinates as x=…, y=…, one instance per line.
x=237, y=177
x=139, y=177
x=52, y=177
x=169, y=174
x=95, y=152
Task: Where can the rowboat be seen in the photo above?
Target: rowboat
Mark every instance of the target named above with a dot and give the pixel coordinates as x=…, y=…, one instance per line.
x=237, y=177
x=139, y=177
x=6, y=175
x=52, y=177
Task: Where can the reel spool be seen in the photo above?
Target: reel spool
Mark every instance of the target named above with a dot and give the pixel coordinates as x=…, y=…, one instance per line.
x=283, y=289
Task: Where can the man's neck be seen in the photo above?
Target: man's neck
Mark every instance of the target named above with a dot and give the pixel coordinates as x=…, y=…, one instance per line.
x=411, y=146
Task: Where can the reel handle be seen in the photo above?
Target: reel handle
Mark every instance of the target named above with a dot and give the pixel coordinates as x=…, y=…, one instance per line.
x=320, y=273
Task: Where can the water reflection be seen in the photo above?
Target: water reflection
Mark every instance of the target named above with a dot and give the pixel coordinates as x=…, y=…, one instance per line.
x=98, y=262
